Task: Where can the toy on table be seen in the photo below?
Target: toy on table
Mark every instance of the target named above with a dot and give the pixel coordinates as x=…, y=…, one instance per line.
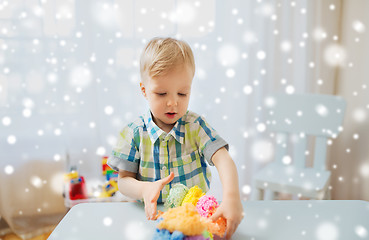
x=109, y=189
x=76, y=185
x=111, y=186
x=108, y=171
x=189, y=214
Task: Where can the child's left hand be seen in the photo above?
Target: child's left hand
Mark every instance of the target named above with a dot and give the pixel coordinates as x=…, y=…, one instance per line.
x=230, y=209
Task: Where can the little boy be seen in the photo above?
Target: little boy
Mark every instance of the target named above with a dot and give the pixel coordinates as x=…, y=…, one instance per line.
x=169, y=144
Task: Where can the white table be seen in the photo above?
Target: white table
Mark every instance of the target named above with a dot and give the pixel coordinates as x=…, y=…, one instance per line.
x=264, y=220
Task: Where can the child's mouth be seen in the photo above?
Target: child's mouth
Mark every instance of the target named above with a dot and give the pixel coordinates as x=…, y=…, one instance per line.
x=170, y=115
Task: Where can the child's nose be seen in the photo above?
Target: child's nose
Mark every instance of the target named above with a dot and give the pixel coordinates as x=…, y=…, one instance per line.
x=172, y=102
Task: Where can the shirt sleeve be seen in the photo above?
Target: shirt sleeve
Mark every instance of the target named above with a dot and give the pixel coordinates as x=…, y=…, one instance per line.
x=209, y=140
x=125, y=155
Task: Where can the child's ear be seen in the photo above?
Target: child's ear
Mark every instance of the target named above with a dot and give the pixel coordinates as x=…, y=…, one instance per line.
x=143, y=89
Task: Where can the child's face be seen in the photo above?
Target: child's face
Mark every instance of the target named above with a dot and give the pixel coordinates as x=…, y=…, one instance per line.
x=168, y=96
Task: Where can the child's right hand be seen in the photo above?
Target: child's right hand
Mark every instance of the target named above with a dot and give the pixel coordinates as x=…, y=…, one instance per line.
x=151, y=193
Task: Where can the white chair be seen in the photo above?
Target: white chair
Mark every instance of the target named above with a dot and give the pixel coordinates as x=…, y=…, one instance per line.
x=296, y=117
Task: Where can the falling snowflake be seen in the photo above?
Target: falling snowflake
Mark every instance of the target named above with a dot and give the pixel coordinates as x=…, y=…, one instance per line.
x=262, y=150
x=57, y=132
x=322, y=110
x=290, y=89
x=286, y=46
x=287, y=160
x=319, y=34
x=361, y=231
x=261, y=55
x=228, y=55
x=184, y=14
x=100, y=151
x=36, y=181
x=327, y=231
x=230, y=73
x=9, y=169
x=109, y=110
x=12, y=139
x=261, y=127
x=269, y=102
x=359, y=115
x=107, y=221
x=364, y=170
x=262, y=223
x=80, y=76
x=358, y=26
x=246, y=189
x=335, y=55
x=247, y=89
x=6, y=121
x=135, y=230
x=249, y=37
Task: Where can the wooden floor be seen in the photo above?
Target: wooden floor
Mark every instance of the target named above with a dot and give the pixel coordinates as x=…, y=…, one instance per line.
x=12, y=236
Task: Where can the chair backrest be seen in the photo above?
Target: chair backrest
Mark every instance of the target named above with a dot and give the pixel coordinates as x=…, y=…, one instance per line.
x=305, y=115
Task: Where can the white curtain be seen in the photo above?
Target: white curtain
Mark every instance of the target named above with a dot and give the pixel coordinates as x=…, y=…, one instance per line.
x=69, y=80
x=350, y=156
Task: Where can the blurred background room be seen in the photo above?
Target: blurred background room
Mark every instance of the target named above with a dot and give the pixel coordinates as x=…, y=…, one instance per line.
x=69, y=81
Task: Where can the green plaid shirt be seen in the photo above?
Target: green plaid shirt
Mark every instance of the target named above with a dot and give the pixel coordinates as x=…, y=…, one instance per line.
x=145, y=149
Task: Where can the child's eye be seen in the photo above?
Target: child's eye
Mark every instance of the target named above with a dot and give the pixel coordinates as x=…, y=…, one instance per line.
x=182, y=94
x=161, y=94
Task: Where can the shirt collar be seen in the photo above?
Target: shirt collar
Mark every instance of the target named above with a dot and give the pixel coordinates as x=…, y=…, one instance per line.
x=178, y=131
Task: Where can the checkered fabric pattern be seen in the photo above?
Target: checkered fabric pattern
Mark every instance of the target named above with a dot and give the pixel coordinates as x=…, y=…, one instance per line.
x=145, y=149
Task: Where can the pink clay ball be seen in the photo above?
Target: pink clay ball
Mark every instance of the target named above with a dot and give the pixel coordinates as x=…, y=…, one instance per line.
x=206, y=206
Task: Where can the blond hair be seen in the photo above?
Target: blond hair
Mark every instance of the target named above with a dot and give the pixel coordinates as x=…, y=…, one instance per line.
x=163, y=54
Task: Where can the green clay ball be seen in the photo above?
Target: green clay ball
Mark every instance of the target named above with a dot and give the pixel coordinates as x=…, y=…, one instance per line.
x=176, y=196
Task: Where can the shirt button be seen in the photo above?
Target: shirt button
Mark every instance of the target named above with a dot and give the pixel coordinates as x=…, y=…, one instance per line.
x=164, y=168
